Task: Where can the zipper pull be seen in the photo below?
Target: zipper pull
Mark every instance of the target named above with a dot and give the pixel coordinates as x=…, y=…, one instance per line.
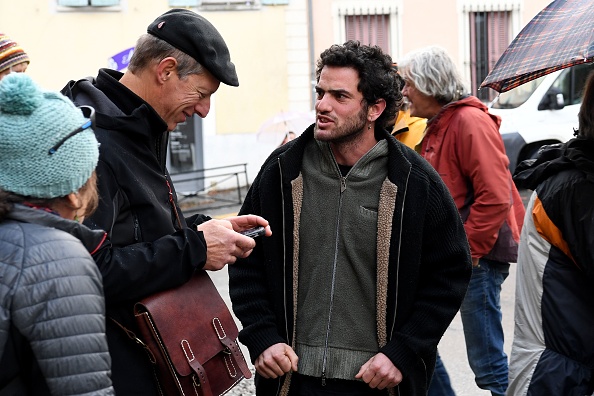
x=172, y=203
x=323, y=378
x=136, y=229
x=342, y=184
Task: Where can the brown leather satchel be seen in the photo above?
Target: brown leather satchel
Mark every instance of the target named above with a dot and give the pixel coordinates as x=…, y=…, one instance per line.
x=191, y=336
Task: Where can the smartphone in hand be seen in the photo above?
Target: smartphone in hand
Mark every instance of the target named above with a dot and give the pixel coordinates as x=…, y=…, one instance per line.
x=254, y=232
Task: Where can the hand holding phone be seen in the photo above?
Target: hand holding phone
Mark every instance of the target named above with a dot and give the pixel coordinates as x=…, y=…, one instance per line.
x=254, y=232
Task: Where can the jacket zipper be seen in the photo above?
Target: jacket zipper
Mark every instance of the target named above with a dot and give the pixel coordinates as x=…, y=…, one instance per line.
x=172, y=202
x=333, y=283
x=280, y=168
x=397, y=284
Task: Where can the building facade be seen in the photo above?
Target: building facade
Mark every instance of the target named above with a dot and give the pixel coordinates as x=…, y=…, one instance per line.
x=274, y=45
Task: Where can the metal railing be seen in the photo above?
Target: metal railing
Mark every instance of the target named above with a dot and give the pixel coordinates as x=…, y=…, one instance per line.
x=210, y=188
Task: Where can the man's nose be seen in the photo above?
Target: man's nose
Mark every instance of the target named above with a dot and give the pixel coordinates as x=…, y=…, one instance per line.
x=202, y=107
x=323, y=104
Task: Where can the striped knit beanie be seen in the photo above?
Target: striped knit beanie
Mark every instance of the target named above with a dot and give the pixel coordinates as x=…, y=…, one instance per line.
x=10, y=53
x=32, y=121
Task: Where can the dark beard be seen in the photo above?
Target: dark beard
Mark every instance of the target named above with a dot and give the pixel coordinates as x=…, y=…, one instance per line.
x=350, y=132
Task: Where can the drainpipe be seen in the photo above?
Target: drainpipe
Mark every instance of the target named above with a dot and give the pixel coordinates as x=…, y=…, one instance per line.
x=312, y=56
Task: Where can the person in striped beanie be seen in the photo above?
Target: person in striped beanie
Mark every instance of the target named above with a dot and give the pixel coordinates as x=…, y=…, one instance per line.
x=12, y=57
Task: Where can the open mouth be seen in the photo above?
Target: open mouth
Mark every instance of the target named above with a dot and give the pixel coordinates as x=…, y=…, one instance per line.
x=323, y=121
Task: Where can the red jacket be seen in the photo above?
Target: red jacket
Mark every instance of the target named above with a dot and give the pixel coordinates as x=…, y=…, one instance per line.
x=464, y=145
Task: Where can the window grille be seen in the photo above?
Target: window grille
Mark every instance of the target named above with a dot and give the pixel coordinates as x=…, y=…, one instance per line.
x=370, y=29
x=489, y=37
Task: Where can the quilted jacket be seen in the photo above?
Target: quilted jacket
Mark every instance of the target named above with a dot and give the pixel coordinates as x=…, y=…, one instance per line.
x=52, y=310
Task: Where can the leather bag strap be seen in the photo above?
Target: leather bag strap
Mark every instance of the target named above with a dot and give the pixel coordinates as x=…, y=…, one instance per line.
x=232, y=347
x=204, y=383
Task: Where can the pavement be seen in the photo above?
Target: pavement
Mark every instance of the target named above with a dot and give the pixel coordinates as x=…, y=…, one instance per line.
x=452, y=347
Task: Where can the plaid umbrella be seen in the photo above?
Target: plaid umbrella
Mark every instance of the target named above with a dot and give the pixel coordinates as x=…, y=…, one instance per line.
x=560, y=36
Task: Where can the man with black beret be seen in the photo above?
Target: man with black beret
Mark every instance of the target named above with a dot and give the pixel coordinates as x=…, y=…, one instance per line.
x=176, y=67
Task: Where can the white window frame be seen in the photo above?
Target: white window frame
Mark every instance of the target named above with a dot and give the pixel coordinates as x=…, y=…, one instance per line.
x=340, y=9
x=183, y=3
x=122, y=6
x=216, y=5
x=465, y=7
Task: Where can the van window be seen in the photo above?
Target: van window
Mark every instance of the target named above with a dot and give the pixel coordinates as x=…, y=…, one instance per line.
x=517, y=96
x=571, y=83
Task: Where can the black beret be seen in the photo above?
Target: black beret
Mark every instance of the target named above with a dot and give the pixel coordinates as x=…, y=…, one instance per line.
x=194, y=35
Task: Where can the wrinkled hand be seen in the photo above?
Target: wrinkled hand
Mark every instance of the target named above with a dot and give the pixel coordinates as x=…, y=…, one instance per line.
x=276, y=361
x=224, y=245
x=379, y=372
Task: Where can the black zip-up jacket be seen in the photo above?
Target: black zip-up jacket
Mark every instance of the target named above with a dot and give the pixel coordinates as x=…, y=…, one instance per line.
x=150, y=247
x=424, y=263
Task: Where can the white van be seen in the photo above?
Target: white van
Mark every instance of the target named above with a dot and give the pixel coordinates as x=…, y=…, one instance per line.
x=542, y=111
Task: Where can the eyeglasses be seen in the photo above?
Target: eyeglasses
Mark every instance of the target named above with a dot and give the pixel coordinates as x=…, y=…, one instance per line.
x=89, y=113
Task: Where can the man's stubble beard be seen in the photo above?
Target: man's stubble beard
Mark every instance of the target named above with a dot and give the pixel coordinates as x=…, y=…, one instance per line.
x=347, y=134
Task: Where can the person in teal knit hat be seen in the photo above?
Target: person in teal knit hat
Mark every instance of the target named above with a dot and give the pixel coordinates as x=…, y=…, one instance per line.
x=52, y=309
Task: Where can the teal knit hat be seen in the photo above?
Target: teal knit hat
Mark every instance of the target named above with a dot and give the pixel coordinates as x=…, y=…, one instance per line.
x=32, y=121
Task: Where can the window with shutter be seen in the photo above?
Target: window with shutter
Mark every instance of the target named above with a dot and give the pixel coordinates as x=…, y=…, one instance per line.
x=369, y=29
x=489, y=27
x=372, y=23
x=489, y=37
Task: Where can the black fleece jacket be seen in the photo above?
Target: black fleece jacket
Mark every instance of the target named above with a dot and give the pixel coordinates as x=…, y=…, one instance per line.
x=425, y=250
x=148, y=249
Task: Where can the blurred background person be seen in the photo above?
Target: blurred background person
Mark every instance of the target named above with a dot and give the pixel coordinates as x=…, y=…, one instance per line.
x=410, y=131
x=52, y=310
x=406, y=129
x=12, y=57
x=288, y=137
x=462, y=142
x=553, y=348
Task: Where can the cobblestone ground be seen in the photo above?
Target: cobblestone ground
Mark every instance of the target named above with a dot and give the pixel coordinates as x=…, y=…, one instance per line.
x=244, y=388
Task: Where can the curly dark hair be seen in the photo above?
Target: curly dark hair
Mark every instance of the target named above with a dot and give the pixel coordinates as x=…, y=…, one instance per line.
x=377, y=79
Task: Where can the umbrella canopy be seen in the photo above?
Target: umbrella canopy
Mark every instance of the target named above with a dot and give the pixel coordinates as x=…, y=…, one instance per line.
x=560, y=36
x=276, y=127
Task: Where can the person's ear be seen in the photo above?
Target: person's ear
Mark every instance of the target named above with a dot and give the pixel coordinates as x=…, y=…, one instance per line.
x=74, y=200
x=68, y=208
x=166, y=68
x=376, y=109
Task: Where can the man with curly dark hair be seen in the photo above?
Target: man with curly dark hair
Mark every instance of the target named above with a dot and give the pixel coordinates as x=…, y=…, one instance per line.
x=368, y=261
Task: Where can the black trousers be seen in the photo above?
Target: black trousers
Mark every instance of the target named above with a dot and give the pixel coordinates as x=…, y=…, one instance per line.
x=303, y=385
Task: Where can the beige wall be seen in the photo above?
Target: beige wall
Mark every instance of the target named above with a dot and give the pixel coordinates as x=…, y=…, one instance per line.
x=269, y=46
x=273, y=77
x=71, y=45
